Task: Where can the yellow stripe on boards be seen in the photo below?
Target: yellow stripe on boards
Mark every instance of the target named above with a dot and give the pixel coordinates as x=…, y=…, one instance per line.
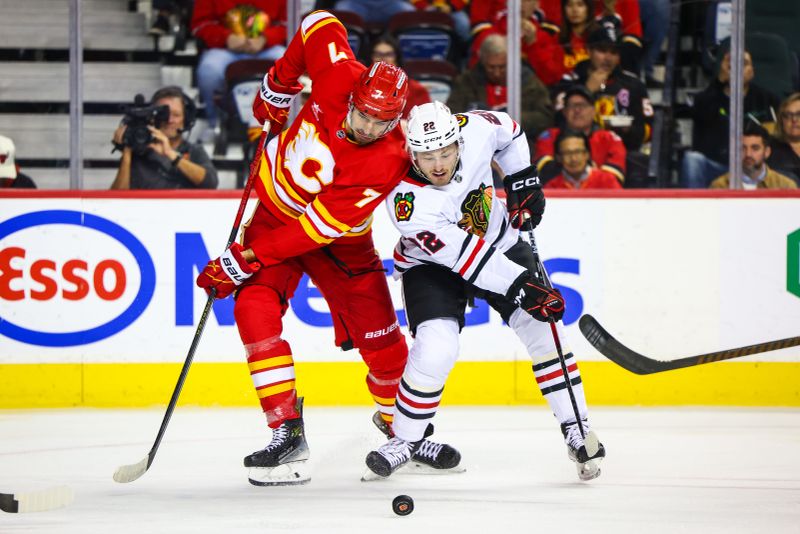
x=342, y=384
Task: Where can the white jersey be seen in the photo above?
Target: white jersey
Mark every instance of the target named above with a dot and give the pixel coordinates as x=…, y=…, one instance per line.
x=463, y=225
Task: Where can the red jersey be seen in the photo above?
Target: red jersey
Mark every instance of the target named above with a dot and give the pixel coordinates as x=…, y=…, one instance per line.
x=541, y=54
x=626, y=10
x=417, y=95
x=597, y=179
x=316, y=184
x=208, y=20
x=606, y=148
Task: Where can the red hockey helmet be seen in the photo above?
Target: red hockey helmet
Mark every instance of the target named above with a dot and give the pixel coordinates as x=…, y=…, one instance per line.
x=381, y=91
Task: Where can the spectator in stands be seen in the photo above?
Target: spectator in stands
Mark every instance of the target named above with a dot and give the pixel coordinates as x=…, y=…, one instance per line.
x=169, y=161
x=231, y=30
x=163, y=13
x=709, y=155
x=538, y=37
x=623, y=15
x=655, y=24
x=375, y=11
x=577, y=23
x=785, y=156
x=577, y=172
x=484, y=87
x=457, y=9
x=606, y=148
x=9, y=170
x=756, y=174
x=621, y=100
x=386, y=48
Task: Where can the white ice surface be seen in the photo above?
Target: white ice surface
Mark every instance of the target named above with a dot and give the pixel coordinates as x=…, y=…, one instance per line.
x=667, y=470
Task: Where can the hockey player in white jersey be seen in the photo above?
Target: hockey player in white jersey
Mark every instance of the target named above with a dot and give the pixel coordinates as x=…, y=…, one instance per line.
x=459, y=241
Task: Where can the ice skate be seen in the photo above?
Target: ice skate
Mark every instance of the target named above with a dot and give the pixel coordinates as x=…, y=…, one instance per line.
x=430, y=457
x=585, y=452
x=391, y=456
x=283, y=461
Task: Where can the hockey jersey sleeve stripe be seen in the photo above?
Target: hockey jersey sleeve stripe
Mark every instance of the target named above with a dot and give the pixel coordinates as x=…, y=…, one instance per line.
x=480, y=265
x=312, y=231
x=326, y=216
x=544, y=160
x=613, y=169
x=322, y=227
x=466, y=265
x=274, y=390
x=315, y=21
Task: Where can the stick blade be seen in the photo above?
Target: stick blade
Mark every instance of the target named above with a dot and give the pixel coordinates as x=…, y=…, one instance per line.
x=615, y=351
x=37, y=501
x=129, y=473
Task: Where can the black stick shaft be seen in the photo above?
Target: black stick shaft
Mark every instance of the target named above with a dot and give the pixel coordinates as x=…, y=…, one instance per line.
x=173, y=401
x=542, y=274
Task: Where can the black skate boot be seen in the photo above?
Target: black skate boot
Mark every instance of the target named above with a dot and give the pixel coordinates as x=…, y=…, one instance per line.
x=585, y=452
x=282, y=462
x=429, y=456
x=391, y=456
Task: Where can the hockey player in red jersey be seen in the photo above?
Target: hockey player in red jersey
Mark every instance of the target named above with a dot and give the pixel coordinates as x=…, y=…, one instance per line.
x=318, y=183
x=458, y=241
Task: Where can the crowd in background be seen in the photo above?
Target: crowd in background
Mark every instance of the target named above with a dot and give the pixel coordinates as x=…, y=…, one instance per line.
x=587, y=69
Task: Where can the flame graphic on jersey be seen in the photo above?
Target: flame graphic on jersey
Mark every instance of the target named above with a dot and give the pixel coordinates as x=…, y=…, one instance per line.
x=476, y=208
x=403, y=206
x=309, y=160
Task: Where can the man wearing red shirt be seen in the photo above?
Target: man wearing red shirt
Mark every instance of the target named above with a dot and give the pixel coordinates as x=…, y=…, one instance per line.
x=232, y=30
x=607, y=149
x=572, y=154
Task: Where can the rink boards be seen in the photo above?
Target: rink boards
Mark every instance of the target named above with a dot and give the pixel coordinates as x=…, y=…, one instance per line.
x=98, y=305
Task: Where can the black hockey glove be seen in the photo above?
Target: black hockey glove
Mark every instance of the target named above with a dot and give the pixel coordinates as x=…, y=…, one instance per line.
x=524, y=198
x=540, y=302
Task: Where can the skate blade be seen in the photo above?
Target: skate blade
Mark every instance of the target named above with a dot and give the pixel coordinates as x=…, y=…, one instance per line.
x=589, y=471
x=370, y=476
x=418, y=468
x=591, y=443
x=289, y=474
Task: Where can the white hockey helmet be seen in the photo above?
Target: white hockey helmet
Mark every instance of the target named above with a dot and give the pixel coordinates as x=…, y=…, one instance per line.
x=431, y=126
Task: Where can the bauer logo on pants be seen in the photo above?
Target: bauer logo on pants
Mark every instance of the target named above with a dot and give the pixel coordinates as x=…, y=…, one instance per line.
x=70, y=278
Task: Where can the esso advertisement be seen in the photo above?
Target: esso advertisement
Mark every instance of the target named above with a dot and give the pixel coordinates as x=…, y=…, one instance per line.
x=69, y=278
x=113, y=279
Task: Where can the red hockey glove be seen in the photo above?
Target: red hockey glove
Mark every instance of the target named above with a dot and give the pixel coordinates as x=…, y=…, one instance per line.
x=524, y=198
x=540, y=302
x=227, y=272
x=272, y=103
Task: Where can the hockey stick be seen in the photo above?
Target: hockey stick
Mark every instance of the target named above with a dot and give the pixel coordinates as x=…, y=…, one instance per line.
x=541, y=274
x=36, y=501
x=637, y=363
x=129, y=473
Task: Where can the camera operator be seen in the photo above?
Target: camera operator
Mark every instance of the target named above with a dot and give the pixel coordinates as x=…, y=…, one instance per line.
x=154, y=153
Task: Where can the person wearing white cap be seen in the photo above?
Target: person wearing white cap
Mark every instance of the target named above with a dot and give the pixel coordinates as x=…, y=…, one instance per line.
x=9, y=174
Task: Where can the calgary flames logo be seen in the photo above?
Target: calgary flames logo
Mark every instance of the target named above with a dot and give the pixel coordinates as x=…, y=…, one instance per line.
x=476, y=208
x=403, y=206
x=309, y=160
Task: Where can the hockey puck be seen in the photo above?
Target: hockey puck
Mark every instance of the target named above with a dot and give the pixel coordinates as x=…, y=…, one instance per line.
x=403, y=505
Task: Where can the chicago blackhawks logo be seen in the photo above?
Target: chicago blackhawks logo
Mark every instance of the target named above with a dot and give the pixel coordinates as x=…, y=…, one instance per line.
x=462, y=120
x=403, y=206
x=476, y=209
